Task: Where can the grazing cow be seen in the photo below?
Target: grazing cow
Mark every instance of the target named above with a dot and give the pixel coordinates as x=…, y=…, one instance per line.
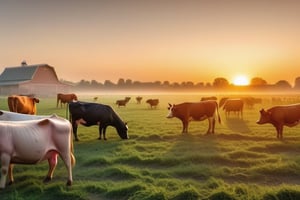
x=123, y=102
x=198, y=111
x=153, y=102
x=209, y=98
x=278, y=116
x=33, y=141
x=22, y=104
x=139, y=99
x=65, y=98
x=235, y=105
x=89, y=114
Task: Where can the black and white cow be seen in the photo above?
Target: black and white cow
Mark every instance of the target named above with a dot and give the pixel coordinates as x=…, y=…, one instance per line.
x=89, y=114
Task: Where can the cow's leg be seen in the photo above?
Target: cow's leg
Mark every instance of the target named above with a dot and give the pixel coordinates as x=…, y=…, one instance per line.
x=104, y=132
x=52, y=161
x=5, y=161
x=100, y=132
x=75, y=126
x=279, y=129
x=213, y=125
x=185, y=124
x=66, y=157
x=10, y=174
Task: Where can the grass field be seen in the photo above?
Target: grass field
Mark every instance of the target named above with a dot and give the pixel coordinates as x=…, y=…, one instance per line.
x=242, y=160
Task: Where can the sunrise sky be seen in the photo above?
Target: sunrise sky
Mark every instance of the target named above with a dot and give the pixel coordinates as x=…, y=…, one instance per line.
x=150, y=40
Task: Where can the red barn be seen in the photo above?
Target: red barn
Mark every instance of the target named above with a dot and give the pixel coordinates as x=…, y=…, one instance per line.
x=39, y=79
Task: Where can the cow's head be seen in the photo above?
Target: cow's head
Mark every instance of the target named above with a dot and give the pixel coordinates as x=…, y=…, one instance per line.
x=35, y=100
x=265, y=117
x=172, y=110
x=74, y=97
x=123, y=130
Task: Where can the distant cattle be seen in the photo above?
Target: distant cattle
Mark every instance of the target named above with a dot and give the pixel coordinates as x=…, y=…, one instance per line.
x=123, y=102
x=232, y=105
x=153, y=102
x=139, y=99
x=209, y=98
x=251, y=101
x=22, y=104
x=198, y=111
x=65, y=98
x=89, y=114
x=279, y=116
x=32, y=141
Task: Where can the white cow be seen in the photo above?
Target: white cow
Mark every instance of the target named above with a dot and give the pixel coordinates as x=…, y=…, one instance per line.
x=13, y=116
x=32, y=141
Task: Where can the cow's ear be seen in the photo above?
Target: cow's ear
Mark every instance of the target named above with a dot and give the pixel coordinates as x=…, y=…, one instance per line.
x=262, y=110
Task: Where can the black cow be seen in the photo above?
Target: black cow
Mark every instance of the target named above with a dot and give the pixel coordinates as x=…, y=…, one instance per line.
x=89, y=114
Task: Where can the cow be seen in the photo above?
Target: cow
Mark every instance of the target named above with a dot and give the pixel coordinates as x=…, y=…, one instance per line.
x=22, y=104
x=89, y=114
x=153, y=102
x=139, y=99
x=65, y=98
x=197, y=111
x=123, y=102
x=235, y=105
x=12, y=116
x=279, y=116
x=33, y=141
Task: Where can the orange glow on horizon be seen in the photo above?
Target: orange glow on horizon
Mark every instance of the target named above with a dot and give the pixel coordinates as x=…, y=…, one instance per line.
x=241, y=80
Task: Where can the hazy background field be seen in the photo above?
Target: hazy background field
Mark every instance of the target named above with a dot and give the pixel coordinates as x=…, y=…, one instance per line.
x=242, y=160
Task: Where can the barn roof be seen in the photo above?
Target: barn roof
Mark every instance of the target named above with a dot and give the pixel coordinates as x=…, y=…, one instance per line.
x=19, y=74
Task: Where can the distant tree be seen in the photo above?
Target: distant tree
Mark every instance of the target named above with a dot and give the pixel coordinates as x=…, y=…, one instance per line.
x=95, y=83
x=128, y=82
x=108, y=83
x=199, y=85
x=121, y=82
x=157, y=83
x=257, y=81
x=220, y=82
x=84, y=83
x=283, y=84
x=166, y=83
x=297, y=83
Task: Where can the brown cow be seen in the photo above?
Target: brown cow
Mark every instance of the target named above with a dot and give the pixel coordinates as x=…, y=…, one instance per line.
x=22, y=104
x=235, y=105
x=139, y=99
x=65, y=98
x=198, y=111
x=123, y=102
x=153, y=102
x=278, y=116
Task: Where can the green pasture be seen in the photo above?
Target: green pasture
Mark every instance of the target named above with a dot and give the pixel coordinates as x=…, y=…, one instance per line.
x=242, y=160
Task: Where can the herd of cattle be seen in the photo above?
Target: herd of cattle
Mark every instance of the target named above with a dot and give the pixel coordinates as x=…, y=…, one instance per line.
x=27, y=138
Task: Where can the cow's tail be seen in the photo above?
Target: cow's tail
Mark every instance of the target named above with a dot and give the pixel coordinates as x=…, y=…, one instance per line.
x=73, y=160
x=217, y=110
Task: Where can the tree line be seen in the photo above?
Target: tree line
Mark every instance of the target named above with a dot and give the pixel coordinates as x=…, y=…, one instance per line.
x=222, y=83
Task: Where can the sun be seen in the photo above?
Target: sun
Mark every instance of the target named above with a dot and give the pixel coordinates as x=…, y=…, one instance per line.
x=241, y=80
